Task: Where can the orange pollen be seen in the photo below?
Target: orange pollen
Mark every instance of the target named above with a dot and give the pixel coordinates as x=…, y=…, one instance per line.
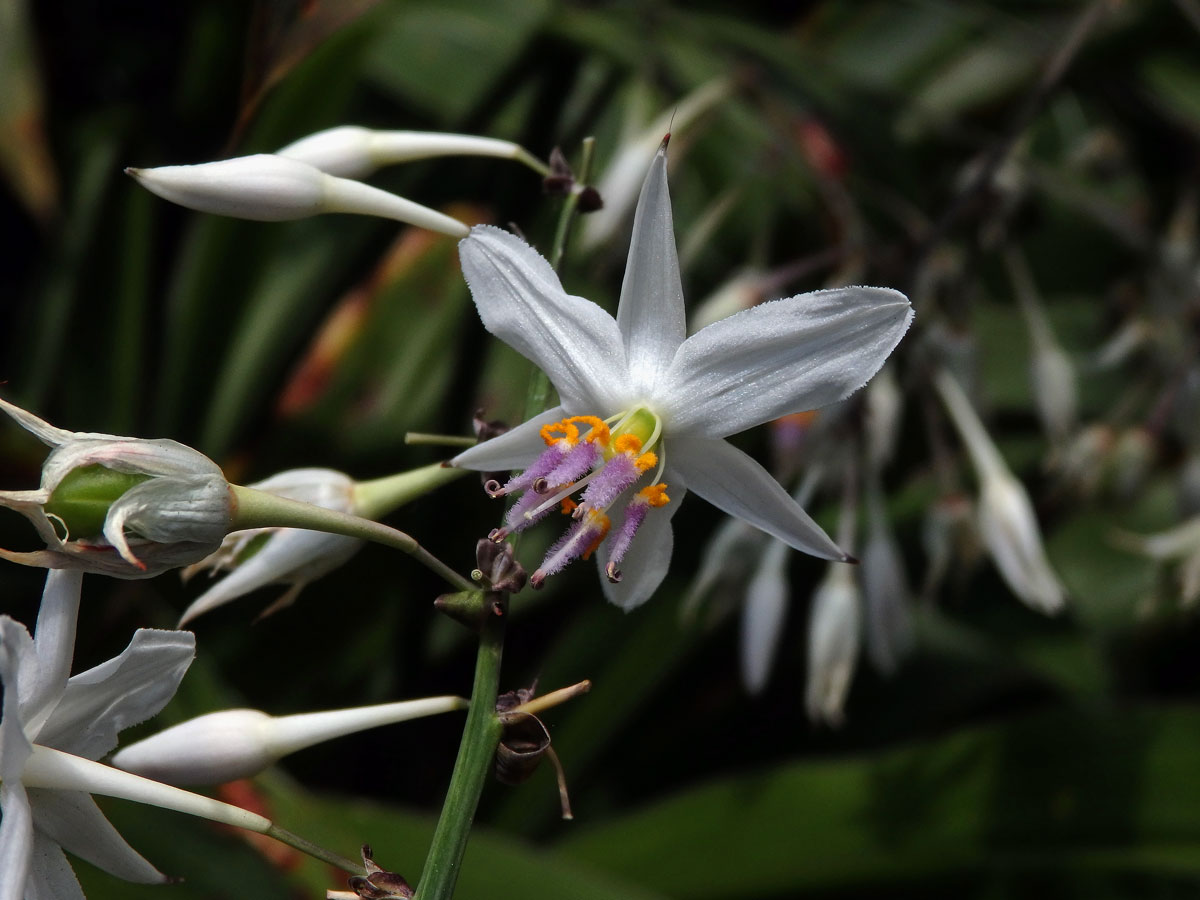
x=605, y=525
x=627, y=443
x=655, y=495
x=560, y=431
x=568, y=505
x=646, y=461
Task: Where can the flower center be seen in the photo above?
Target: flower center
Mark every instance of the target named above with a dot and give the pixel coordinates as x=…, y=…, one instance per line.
x=603, y=458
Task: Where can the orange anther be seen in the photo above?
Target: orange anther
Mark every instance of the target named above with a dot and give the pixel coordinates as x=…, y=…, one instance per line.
x=655, y=495
x=567, y=506
x=645, y=461
x=627, y=443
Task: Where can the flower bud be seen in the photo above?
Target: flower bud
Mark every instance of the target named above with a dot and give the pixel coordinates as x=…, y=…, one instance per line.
x=762, y=618
x=351, y=151
x=238, y=743
x=833, y=642
x=270, y=188
x=258, y=557
x=125, y=507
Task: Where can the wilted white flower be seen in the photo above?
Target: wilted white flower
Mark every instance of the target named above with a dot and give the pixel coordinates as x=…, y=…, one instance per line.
x=52, y=723
x=120, y=506
x=271, y=188
x=238, y=743
x=642, y=405
x=351, y=151
x=257, y=557
x=1006, y=519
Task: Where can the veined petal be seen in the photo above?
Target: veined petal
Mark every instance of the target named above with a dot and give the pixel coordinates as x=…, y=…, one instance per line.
x=734, y=483
x=16, y=839
x=650, y=314
x=289, y=556
x=762, y=616
x=50, y=875
x=53, y=648
x=522, y=302
x=124, y=691
x=780, y=357
x=649, y=556
x=514, y=449
x=73, y=821
x=16, y=652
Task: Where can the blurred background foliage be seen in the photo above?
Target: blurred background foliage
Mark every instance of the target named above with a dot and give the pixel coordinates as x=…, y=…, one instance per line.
x=911, y=144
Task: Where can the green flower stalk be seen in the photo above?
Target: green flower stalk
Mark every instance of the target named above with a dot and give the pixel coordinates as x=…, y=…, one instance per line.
x=296, y=556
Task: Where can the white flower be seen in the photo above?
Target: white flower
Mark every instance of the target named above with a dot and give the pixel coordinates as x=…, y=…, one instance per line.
x=640, y=405
x=50, y=723
x=1007, y=522
x=120, y=506
x=270, y=188
x=239, y=743
x=257, y=557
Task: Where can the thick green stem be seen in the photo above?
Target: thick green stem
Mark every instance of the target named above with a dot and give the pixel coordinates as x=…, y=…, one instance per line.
x=480, y=737
x=483, y=729
x=379, y=497
x=258, y=509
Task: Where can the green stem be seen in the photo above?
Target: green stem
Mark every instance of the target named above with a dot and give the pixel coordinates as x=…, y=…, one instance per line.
x=316, y=852
x=420, y=438
x=258, y=509
x=566, y=217
x=377, y=498
x=524, y=156
x=480, y=737
x=483, y=729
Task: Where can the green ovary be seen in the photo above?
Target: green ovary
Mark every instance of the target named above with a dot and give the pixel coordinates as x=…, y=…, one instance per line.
x=82, y=499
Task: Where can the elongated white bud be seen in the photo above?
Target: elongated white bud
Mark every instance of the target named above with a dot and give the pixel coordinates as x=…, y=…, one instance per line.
x=238, y=743
x=351, y=151
x=271, y=188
